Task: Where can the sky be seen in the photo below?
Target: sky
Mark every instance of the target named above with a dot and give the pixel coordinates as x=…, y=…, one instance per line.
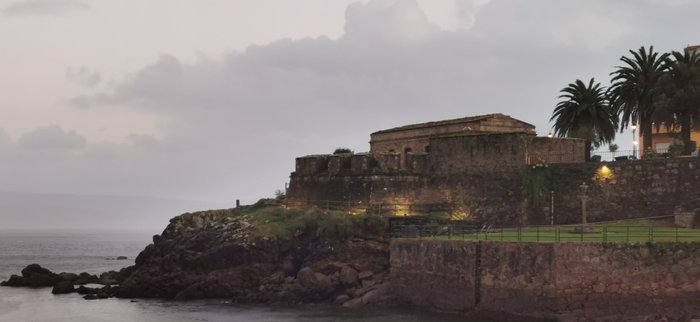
x=211, y=100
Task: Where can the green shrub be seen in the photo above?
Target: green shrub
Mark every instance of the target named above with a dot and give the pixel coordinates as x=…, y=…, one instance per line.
x=343, y=151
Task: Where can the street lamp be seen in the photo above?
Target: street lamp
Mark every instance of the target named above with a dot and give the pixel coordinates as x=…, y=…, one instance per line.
x=583, y=189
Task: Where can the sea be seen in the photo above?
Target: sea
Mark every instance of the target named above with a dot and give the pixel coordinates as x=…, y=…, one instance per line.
x=94, y=251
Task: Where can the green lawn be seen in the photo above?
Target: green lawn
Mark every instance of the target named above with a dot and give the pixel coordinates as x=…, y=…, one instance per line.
x=619, y=231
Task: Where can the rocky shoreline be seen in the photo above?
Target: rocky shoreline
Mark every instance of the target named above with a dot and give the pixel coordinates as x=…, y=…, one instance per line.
x=246, y=257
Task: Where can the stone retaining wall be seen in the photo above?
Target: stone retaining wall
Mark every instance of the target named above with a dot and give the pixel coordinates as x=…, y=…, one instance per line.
x=565, y=280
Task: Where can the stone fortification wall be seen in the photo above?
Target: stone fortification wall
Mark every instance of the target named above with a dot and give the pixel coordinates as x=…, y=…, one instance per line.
x=472, y=176
x=591, y=280
x=498, y=154
x=627, y=189
x=556, y=150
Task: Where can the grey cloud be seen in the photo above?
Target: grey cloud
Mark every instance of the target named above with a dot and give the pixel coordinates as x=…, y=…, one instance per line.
x=236, y=123
x=51, y=137
x=83, y=76
x=4, y=138
x=387, y=20
x=44, y=7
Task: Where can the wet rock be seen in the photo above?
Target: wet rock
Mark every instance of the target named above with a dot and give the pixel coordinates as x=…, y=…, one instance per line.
x=72, y=277
x=63, y=287
x=121, y=258
x=85, y=278
x=33, y=276
x=109, y=278
x=82, y=290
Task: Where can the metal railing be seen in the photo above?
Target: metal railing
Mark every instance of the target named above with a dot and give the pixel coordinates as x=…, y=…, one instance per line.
x=572, y=233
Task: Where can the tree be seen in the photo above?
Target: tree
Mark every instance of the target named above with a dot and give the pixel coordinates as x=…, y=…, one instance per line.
x=342, y=151
x=613, y=148
x=634, y=88
x=679, y=96
x=585, y=113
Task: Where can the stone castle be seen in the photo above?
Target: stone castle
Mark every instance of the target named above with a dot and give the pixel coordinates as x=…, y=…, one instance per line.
x=466, y=166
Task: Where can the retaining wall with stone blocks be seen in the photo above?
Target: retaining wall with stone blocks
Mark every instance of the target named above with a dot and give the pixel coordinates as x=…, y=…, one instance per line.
x=591, y=280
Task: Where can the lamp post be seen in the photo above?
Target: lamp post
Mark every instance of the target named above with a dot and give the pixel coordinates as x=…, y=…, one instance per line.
x=635, y=143
x=551, y=207
x=583, y=189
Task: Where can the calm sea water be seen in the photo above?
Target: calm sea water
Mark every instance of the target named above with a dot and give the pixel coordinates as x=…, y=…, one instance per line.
x=78, y=251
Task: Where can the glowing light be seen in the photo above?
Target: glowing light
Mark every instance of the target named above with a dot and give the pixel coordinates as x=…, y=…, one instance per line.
x=633, y=127
x=603, y=173
x=550, y=135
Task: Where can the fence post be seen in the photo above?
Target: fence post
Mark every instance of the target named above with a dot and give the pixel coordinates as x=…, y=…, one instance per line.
x=538, y=233
x=628, y=234
x=676, y=234
x=449, y=231
x=605, y=234
x=501, y=232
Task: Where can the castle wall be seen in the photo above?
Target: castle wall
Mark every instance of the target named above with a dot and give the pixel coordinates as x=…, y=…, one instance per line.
x=478, y=154
x=417, y=137
x=630, y=189
x=556, y=150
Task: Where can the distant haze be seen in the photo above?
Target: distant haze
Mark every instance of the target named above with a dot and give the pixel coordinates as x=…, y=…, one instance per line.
x=212, y=100
x=55, y=211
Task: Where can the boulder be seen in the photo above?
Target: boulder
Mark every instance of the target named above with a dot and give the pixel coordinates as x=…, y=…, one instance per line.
x=109, y=278
x=85, y=278
x=121, y=258
x=306, y=277
x=34, y=276
x=63, y=287
x=342, y=298
x=314, y=281
x=323, y=283
x=14, y=280
x=356, y=302
x=348, y=275
x=376, y=295
x=82, y=290
x=365, y=275
x=68, y=276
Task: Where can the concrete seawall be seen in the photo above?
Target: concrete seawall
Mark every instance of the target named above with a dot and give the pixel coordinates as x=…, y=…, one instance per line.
x=568, y=281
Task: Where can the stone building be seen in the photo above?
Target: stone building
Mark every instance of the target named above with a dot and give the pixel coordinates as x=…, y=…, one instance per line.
x=415, y=138
x=467, y=165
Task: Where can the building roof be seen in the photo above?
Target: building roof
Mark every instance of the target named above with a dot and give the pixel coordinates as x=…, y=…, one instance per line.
x=467, y=119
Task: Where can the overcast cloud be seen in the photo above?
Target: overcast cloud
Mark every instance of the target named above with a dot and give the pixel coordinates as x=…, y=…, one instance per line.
x=228, y=126
x=43, y=7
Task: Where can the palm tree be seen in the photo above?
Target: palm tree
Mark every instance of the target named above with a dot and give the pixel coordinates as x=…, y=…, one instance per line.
x=585, y=113
x=680, y=94
x=634, y=88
